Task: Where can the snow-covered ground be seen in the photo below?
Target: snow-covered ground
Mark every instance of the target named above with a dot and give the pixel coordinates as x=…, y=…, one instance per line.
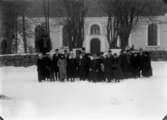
x=133, y=99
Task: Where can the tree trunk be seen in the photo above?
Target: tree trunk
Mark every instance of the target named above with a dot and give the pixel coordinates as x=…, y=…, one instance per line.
x=24, y=34
x=109, y=24
x=124, y=41
x=16, y=37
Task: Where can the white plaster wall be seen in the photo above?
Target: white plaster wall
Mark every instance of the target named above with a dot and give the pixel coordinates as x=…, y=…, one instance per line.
x=138, y=36
x=163, y=36
x=55, y=31
x=56, y=36
x=101, y=22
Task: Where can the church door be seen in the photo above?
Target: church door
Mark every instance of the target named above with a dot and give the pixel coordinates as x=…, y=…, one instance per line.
x=95, y=46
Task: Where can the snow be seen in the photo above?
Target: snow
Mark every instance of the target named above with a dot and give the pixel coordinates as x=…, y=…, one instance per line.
x=132, y=99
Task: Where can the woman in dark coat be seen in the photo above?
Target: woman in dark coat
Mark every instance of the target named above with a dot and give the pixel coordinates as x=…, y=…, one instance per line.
x=40, y=66
x=93, y=70
x=147, y=69
x=56, y=57
x=125, y=64
x=62, y=64
x=135, y=62
x=100, y=74
x=84, y=67
x=77, y=67
x=81, y=68
x=117, y=72
x=108, y=68
x=51, y=66
x=71, y=68
x=47, y=67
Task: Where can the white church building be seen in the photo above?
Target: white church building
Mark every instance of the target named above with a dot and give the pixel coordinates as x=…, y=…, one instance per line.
x=95, y=34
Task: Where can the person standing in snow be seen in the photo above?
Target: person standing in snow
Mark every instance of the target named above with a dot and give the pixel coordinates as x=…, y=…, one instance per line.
x=141, y=60
x=93, y=69
x=135, y=62
x=71, y=67
x=147, y=69
x=56, y=57
x=47, y=67
x=40, y=66
x=62, y=64
x=84, y=66
x=51, y=66
x=108, y=67
x=117, y=72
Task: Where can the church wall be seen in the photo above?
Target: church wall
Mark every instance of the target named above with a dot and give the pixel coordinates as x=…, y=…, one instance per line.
x=138, y=36
x=55, y=32
x=101, y=22
x=163, y=36
x=1, y=37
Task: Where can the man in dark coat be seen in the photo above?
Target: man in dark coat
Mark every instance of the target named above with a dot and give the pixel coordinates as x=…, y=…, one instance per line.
x=108, y=68
x=135, y=62
x=100, y=69
x=93, y=70
x=147, y=69
x=71, y=68
x=125, y=64
x=87, y=65
x=62, y=64
x=40, y=66
x=117, y=72
x=77, y=62
x=84, y=66
x=141, y=61
x=56, y=56
x=51, y=67
x=47, y=67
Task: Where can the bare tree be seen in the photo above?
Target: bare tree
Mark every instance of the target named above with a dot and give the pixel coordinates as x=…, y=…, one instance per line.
x=112, y=23
x=21, y=9
x=46, y=11
x=75, y=11
x=123, y=15
x=9, y=25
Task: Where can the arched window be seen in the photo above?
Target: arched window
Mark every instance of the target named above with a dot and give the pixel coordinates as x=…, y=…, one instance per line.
x=95, y=30
x=152, y=35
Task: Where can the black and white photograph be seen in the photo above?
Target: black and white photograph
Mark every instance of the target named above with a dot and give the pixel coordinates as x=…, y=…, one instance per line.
x=83, y=59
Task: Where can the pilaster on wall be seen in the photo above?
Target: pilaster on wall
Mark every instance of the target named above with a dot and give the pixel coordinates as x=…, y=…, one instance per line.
x=1, y=37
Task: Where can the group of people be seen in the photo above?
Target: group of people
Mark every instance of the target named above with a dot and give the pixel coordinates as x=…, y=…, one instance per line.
x=110, y=67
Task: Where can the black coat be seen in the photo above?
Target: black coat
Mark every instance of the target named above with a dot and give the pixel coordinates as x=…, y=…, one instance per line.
x=40, y=66
x=125, y=64
x=135, y=63
x=117, y=72
x=93, y=71
x=54, y=63
x=71, y=67
x=147, y=69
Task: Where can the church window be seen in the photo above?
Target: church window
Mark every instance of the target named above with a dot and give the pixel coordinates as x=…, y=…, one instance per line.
x=152, y=35
x=95, y=30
